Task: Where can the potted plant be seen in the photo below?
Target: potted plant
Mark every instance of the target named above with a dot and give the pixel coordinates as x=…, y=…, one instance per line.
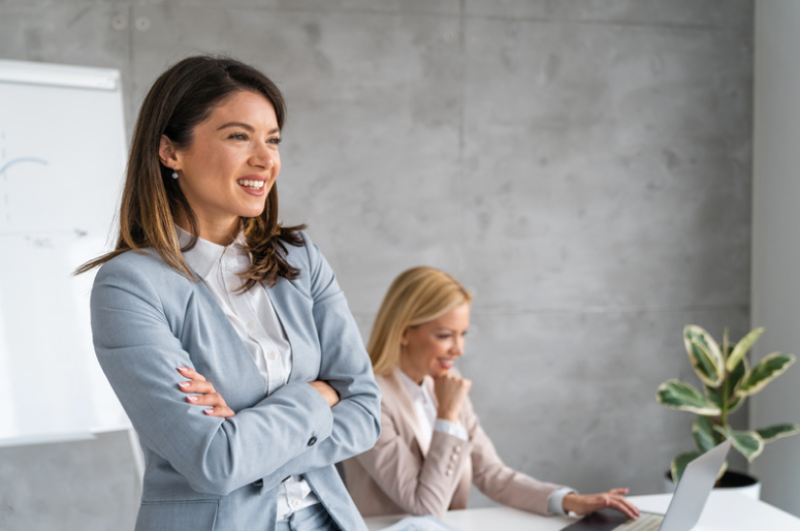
x=727, y=381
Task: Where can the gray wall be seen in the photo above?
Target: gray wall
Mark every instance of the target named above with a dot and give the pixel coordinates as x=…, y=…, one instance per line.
x=776, y=254
x=584, y=167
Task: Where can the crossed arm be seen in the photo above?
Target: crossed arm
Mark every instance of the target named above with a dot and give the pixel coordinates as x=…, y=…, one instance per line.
x=269, y=440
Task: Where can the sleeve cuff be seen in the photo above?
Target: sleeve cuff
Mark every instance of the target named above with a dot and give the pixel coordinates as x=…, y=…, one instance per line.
x=555, y=504
x=456, y=430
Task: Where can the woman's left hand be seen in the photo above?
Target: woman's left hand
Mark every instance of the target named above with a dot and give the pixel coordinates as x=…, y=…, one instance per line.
x=204, y=394
x=589, y=503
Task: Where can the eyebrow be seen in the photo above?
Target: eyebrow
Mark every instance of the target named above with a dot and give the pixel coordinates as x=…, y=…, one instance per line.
x=245, y=126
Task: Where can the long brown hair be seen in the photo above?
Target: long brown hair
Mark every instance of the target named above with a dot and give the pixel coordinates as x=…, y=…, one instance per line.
x=416, y=296
x=181, y=98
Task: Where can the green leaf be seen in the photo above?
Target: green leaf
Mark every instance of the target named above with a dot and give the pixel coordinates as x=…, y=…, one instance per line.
x=735, y=376
x=705, y=355
x=734, y=379
x=713, y=395
x=703, y=433
x=679, y=464
x=778, y=431
x=684, y=397
x=767, y=370
x=749, y=443
x=742, y=347
x=726, y=344
x=734, y=403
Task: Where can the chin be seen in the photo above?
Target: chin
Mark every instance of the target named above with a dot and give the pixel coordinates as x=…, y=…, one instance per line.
x=439, y=371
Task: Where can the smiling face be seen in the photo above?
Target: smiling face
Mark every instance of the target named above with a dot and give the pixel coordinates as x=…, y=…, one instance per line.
x=230, y=166
x=433, y=347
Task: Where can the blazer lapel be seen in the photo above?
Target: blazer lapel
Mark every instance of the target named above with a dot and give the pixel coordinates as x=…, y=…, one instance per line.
x=407, y=410
x=294, y=311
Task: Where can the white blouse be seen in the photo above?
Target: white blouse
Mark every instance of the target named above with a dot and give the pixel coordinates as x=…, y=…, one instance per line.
x=253, y=317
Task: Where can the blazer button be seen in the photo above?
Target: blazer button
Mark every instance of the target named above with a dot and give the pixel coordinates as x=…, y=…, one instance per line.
x=312, y=441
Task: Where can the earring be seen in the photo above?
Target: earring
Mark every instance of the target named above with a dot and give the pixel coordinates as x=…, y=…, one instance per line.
x=174, y=175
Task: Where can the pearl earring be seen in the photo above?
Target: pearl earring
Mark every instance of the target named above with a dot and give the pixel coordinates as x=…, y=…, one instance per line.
x=174, y=175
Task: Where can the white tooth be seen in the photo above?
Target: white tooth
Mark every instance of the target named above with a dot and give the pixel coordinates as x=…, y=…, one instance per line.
x=251, y=184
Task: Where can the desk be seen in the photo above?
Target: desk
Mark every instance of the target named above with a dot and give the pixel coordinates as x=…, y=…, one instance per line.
x=724, y=511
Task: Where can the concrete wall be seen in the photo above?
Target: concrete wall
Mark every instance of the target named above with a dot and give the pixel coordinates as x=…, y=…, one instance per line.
x=584, y=167
x=776, y=254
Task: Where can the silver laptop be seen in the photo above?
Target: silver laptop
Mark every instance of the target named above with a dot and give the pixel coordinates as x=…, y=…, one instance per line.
x=684, y=510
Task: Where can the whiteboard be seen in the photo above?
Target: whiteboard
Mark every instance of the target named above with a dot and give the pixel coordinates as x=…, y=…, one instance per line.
x=62, y=163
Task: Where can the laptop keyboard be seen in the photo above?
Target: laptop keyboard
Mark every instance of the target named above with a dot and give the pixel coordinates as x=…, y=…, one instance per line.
x=645, y=522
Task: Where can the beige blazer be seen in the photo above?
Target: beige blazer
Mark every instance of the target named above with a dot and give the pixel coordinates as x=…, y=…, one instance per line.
x=403, y=474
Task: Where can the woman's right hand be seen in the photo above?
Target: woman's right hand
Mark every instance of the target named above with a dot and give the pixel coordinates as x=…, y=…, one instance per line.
x=202, y=393
x=451, y=392
x=328, y=393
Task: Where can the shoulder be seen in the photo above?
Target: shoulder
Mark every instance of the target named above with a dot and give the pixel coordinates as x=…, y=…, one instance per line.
x=391, y=390
x=303, y=256
x=316, y=278
x=142, y=262
x=145, y=268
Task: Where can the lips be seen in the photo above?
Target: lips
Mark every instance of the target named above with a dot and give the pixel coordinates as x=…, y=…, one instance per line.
x=445, y=363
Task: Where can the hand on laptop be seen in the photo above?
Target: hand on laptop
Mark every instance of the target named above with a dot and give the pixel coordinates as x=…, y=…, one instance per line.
x=589, y=503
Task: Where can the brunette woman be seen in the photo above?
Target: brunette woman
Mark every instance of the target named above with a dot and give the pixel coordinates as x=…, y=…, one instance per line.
x=205, y=281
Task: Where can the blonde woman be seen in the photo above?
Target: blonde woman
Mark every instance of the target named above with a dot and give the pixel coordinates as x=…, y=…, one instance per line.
x=432, y=446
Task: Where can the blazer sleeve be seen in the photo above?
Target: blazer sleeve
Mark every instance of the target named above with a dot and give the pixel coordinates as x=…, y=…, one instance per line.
x=140, y=354
x=498, y=481
x=419, y=485
x=344, y=365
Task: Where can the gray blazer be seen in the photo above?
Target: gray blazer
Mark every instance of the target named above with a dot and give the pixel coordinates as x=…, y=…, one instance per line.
x=204, y=473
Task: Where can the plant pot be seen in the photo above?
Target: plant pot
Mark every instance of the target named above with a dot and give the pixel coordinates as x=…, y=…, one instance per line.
x=730, y=482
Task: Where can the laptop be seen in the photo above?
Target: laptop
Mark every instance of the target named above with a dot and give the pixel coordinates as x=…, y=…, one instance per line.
x=684, y=510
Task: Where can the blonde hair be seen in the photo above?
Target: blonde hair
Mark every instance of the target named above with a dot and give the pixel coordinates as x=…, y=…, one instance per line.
x=416, y=296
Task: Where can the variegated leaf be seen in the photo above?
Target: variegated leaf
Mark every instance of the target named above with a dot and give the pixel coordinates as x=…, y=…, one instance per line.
x=704, y=354
x=735, y=376
x=726, y=344
x=679, y=464
x=778, y=431
x=682, y=396
x=704, y=434
x=764, y=372
x=742, y=348
x=749, y=443
x=713, y=395
x=734, y=403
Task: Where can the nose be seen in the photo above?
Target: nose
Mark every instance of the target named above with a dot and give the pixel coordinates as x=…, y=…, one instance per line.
x=264, y=157
x=458, y=346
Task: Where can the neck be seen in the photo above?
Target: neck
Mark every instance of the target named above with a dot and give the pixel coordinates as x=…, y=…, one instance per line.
x=221, y=232
x=416, y=376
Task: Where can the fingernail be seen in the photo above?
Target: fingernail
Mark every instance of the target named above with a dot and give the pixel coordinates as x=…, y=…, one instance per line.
x=208, y=411
x=191, y=398
x=182, y=368
x=184, y=384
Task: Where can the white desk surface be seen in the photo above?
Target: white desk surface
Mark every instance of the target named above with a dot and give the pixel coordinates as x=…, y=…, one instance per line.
x=724, y=511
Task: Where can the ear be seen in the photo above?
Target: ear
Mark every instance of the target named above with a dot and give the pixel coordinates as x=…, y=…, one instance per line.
x=404, y=337
x=168, y=154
